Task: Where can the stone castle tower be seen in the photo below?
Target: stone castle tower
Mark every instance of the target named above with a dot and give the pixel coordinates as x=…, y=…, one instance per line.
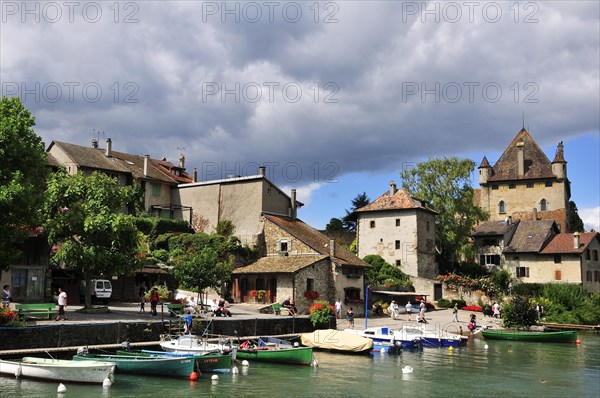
x=524, y=184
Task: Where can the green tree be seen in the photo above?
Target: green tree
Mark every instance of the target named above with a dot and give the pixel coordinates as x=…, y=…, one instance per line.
x=382, y=273
x=351, y=216
x=22, y=178
x=334, y=226
x=84, y=220
x=446, y=185
x=519, y=313
x=575, y=222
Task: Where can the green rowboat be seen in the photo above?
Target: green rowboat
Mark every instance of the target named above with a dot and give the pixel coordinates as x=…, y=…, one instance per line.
x=520, y=335
x=270, y=349
x=154, y=366
x=206, y=363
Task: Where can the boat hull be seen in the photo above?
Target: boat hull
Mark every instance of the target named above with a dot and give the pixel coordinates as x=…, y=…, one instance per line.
x=297, y=356
x=544, y=337
x=59, y=370
x=146, y=365
x=206, y=363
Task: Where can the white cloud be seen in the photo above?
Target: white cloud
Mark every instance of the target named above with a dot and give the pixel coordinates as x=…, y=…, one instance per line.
x=591, y=218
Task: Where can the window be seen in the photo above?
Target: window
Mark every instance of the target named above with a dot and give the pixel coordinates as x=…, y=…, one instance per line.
x=397, y=245
x=502, y=207
x=522, y=272
x=530, y=185
x=155, y=189
x=588, y=276
x=587, y=255
x=512, y=185
x=372, y=224
x=596, y=276
x=489, y=259
x=595, y=254
x=397, y=222
x=557, y=259
x=543, y=205
x=495, y=187
x=557, y=275
x=398, y=263
x=548, y=184
x=310, y=284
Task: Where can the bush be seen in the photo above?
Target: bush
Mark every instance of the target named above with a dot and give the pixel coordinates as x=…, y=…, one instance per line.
x=461, y=303
x=473, y=270
x=443, y=303
x=501, y=279
x=161, y=255
x=519, y=313
x=320, y=312
x=528, y=289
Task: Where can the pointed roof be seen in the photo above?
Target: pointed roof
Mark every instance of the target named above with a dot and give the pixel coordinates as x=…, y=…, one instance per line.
x=537, y=164
x=401, y=200
x=559, y=157
x=484, y=163
x=531, y=236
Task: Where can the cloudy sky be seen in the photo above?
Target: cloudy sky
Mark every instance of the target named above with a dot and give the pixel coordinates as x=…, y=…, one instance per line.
x=335, y=97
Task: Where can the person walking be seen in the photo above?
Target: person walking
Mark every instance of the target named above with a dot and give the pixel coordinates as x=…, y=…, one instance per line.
x=154, y=298
x=455, y=312
x=6, y=296
x=62, y=304
x=408, y=310
x=338, y=309
x=142, y=302
x=350, y=318
x=393, y=309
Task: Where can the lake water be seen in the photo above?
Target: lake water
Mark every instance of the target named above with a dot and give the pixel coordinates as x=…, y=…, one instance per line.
x=504, y=369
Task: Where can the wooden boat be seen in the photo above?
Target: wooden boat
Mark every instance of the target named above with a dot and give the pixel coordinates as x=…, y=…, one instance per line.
x=521, y=335
x=206, y=363
x=190, y=343
x=144, y=365
x=337, y=340
x=271, y=349
x=59, y=370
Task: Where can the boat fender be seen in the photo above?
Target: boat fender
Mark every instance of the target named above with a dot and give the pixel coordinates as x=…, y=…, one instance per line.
x=61, y=389
x=245, y=363
x=235, y=370
x=314, y=363
x=193, y=376
x=450, y=348
x=18, y=372
x=107, y=383
x=485, y=347
x=214, y=378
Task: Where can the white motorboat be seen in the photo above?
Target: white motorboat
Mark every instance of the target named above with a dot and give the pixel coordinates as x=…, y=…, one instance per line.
x=191, y=344
x=59, y=370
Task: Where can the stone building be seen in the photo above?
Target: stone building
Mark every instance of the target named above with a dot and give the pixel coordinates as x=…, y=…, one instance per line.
x=522, y=179
x=401, y=229
x=297, y=261
x=491, y=238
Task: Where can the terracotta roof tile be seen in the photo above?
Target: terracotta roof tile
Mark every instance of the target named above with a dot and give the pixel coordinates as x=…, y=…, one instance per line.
x=401, y=200
x=316, y=240
x=537, y=164
x=278, y=264
x=484, y=163
x=564, y=243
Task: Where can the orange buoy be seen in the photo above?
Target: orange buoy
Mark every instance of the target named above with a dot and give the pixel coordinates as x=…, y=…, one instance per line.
x=578, y=341
x=193, y=376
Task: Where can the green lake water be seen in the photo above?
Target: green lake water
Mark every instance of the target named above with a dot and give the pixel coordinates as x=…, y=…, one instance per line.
x=504, y=369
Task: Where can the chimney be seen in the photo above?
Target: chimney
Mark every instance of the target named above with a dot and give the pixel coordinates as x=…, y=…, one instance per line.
x=181, y=161
x=262, y=171
x=293, y=203
x=95, y=143
x=195, y=175
x=108, y=147
x=392, y=188
x=520, y=158
x=534, y=216
x=509, y=220
x=146, y=165
x=576, y=241
x=331, y=247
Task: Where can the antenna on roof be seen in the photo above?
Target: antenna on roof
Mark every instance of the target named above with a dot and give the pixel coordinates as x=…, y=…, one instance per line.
x=523, y=119
x=98, y=132
x=181, y=148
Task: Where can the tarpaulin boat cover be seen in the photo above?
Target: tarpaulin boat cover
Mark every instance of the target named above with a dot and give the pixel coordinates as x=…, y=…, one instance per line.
x=331, y=339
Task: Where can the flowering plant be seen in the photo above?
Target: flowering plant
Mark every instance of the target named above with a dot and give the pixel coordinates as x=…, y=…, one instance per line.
x=311, y=295
x=472, y=308
x=7, y=315
x=320, y=312
x=456, y=281
x=253, y=293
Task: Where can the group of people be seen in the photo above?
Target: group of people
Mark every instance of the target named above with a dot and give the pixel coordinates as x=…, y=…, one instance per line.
x=290, y=305
x=219, y=307
x=394, y=311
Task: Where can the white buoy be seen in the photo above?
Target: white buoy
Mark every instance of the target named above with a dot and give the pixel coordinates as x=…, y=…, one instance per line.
x=214, y=377
x=245, y=363
x=486, y=346
x=61, y=388
x=235, y=370
x=407, y=369
x=107, y=383
x=18, y=372
x=314, y=363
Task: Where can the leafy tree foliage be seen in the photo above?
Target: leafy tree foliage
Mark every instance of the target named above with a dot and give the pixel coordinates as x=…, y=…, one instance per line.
x=335, y=225
x=382, y=273
x=519, y=313
x=351, y=216
x=446, y=185
x=575, y=222
x=84, y=221
x=22, y=178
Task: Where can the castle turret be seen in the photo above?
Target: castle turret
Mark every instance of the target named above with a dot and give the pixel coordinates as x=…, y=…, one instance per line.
x=559, y=164
x=485, y=171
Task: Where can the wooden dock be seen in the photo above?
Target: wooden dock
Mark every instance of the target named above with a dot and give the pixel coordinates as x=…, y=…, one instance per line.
x=571, y=326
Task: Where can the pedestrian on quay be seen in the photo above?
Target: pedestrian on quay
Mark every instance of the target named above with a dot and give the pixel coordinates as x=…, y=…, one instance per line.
x=6, y=296
x=393, y=309
x=62, y=304
x=350, y=318
x=455, y=312
x=408, y=310
x=154, y=298
x=338, y=309
x=142, y=302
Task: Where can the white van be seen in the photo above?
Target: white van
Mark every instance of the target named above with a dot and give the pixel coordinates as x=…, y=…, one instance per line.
x=101, y=290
